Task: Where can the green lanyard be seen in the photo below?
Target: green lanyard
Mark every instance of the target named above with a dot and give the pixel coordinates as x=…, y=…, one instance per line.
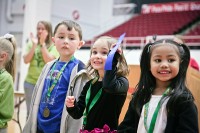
x=56, y=78
x=155, y=114
x=94, y=100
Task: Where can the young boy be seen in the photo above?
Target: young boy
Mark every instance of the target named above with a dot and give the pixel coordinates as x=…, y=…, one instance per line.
x=47, y=110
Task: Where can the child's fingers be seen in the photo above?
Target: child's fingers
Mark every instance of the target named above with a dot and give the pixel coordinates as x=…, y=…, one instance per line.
x=70, y=101
x=119, y=50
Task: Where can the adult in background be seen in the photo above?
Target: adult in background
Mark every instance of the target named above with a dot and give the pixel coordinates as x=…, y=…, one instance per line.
x=39, y=51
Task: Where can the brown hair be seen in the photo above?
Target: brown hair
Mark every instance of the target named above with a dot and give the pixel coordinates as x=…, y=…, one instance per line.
x=122, y=66
x=48, y=27
x=70, y=25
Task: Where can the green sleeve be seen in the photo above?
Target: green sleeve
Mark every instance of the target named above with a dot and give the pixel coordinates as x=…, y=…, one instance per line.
x=6, y=99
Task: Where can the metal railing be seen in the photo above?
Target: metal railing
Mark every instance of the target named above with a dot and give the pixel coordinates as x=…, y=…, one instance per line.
x=139, y=42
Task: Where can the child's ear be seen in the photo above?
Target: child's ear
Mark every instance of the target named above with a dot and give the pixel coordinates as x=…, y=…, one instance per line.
x=81, y=43
x=3, y=56
x=53, y=39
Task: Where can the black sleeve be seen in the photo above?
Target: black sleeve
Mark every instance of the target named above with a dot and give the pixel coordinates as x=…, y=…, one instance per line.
x=130, y=122
x=185, y=119
x=113, y=83
x=76, y=112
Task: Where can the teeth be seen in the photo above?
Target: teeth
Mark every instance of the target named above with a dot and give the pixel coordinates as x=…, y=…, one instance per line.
x=164, y=72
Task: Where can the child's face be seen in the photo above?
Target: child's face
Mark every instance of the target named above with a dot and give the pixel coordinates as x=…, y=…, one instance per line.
x=164, y=62
x=66, y=42
x=99, y=54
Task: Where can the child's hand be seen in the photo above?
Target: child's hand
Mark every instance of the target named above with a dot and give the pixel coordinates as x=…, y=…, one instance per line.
x=33, y=39
x=43, y=37
x=90, y=70
x=70, y=101
x=119, y=50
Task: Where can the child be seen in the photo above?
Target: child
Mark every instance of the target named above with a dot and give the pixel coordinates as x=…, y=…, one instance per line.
x=162, y=102
x=102, y=98
x=39, y=51
x=47, y=110
x=7, y=74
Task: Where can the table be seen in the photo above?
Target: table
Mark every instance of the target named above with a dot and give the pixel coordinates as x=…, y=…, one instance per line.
x=19, y=95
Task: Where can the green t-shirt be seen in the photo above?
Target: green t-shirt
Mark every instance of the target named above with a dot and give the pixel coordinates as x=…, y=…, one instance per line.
x=6, y=98
x=37, y=63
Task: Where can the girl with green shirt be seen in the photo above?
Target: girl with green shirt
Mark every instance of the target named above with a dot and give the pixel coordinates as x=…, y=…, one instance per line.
x=7, y=64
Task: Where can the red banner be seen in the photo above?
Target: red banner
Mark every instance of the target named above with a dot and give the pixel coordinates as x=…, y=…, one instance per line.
x=170, y=7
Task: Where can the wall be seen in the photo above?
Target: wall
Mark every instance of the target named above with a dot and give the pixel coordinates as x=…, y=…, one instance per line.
x=94, y=18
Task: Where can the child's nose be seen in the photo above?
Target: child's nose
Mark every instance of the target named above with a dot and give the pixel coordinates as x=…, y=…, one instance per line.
x=164, y=64
x=66, y=41
x=98, y=55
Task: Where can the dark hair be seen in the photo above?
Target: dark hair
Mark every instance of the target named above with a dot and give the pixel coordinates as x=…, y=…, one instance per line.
x=147, y=81
x=70, y=25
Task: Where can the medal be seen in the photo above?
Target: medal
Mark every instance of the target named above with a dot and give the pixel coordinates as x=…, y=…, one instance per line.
x=46, y=112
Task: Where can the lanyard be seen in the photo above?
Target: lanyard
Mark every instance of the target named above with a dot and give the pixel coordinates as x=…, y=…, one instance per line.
x=2, y=70
x=155, y=114
x=93, y=102
x=50, y=88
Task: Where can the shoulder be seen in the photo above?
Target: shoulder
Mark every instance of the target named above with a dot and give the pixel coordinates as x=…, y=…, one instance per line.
x=123, y=79
x=5, y=77
x=49, y=64
x=81, y=65
x=185, y=102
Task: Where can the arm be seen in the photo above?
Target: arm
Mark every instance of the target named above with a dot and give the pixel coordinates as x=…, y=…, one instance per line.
x=76, y=111
x=187, y=117
x=28, y=56
x=31, y=49
x=130, y=122
x=112, y=83
x=48, y=56
x=6, y=99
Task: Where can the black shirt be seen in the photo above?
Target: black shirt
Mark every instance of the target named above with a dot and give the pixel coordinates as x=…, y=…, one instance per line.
x=108, y=107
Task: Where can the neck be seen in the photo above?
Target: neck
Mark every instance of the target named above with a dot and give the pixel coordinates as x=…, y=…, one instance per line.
x=159, y=91
x=101, y=75
x=65, y=59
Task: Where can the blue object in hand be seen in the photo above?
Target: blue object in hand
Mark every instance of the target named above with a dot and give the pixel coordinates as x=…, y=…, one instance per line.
x=108, y=65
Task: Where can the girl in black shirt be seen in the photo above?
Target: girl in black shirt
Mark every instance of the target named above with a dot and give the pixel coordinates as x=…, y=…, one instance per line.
x=102, y=98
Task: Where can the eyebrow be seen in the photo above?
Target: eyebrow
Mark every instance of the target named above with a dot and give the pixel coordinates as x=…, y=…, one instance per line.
x=171, y=55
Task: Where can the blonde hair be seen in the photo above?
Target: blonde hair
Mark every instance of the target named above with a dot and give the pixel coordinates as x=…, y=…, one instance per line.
x=122, y=66
x=8, y=45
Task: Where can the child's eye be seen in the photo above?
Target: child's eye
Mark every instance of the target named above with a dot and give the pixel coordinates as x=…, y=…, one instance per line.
x=94, y=52
x=61, y=37
x=72, y=38
x=171, y=60
x=105, y=53
x=157, y=60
